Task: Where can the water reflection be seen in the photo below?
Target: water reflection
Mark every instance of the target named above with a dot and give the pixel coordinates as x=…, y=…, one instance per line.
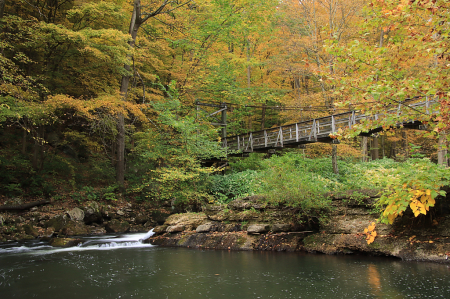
x=153, y=272
x=373, y=278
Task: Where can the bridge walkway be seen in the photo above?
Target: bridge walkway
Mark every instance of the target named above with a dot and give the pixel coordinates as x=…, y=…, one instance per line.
x=320, y=129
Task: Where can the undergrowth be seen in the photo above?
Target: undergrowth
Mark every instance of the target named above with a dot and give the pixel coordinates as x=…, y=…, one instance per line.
x=296, y=181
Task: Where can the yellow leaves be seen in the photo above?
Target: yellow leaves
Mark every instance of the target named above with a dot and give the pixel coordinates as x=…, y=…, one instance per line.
x=370, y=233
x=421, y=201
x=95, y=108
x=391, y=218
x=96, y=52
x=417, y=207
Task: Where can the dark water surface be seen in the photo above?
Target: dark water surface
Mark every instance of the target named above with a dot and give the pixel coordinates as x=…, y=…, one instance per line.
x=117, y=268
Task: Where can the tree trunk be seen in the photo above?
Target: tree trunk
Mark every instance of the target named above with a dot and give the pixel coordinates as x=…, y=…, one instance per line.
x=137, y=19
x=334, y=158
x=120, y=163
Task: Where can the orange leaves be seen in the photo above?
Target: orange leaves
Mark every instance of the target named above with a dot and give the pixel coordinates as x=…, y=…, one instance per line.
x=370, y=233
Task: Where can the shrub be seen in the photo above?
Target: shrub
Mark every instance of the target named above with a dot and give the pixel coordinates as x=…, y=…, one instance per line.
x=231, y=186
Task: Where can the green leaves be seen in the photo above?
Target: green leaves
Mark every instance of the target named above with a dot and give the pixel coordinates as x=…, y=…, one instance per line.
x=170, y=154
x=414, y=184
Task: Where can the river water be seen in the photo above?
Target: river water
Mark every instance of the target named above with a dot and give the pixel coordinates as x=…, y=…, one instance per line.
x=123, y=267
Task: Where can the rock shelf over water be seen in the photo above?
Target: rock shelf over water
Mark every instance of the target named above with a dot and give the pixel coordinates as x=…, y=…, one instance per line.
x=244, y=224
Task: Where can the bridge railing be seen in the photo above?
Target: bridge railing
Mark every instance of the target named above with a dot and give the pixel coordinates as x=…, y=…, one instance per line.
x=314, y=130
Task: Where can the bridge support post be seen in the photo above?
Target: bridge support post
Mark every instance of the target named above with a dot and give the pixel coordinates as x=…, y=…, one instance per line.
x=334, y=158
x=442, y=149
x=374, y=148
x=224, y=120
x=364, y=151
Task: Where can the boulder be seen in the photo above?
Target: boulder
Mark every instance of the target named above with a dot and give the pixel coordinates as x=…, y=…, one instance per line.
x=189, y=221
x=106, y=213
x=141, y=219
x=76, y=214
x=64, y=242
x=30, y=230
x=56, y=222
x=49, y=232
x=207, y=227
x=73, y=228
x=175, y=228
x=92, y=214
x=258, y=228
x=117, y=226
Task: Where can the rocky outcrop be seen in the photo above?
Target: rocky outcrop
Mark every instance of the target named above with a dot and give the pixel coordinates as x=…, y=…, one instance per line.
x=248, y=225
x=409, y=238
x=244, y=224
x=91, y=217
x=231, y=241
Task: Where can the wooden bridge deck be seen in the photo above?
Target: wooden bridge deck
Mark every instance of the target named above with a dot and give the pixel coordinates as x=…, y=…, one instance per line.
x=317, y=130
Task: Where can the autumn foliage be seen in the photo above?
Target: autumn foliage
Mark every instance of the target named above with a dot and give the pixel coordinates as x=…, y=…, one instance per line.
x=76, y=81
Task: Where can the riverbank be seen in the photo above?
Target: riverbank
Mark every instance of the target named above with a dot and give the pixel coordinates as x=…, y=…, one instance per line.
x=244, y=224
x=61, y=221
x=247, y=225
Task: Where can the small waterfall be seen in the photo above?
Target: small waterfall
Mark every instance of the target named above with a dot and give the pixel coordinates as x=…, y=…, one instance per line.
x=107, y=242
x=147, y=235
x=129, y=240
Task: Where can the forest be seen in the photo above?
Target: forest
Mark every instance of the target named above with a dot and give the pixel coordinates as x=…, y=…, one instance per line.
x=98, y=99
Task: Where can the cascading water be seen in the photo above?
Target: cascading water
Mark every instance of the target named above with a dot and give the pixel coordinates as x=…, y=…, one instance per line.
x=105, y=242
x=111, y=267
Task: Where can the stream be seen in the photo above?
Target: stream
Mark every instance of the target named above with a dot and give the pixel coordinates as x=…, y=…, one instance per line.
x=123, y=267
